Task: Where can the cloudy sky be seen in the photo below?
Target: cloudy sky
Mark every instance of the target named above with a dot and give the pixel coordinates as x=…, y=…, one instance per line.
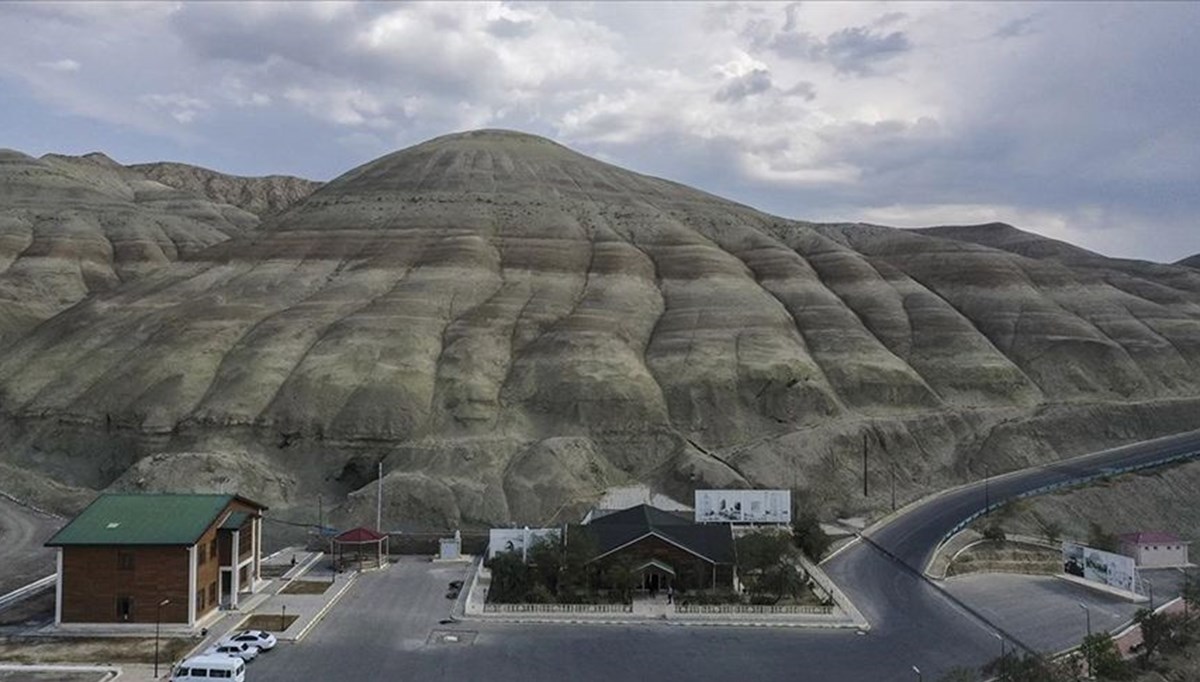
x=1079, y=121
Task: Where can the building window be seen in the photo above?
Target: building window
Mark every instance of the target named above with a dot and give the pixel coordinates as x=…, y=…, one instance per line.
x=124, y=608
x=125, y=561
x=212, y=592
x=200, y=599
x=212, y=549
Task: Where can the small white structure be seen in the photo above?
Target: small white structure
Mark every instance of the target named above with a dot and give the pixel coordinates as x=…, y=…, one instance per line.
x=450, y=549
x=1155, y=549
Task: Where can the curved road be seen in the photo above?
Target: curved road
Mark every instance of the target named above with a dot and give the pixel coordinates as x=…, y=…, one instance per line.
x=908, y=614
x=387, y=621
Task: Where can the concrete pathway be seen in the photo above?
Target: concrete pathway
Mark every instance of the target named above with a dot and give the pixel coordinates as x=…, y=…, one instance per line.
x=308, y=609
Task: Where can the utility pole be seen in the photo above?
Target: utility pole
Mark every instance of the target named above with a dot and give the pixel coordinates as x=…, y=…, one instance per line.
x=865, y=492
x=379, y=501
x=892, y=470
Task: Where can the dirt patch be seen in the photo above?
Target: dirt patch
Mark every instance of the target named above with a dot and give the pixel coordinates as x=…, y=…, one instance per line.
x=24, y=676
x=273, y=570
x=1006, y=557
x=306, y=587
x=91, y=649
x=269, y=622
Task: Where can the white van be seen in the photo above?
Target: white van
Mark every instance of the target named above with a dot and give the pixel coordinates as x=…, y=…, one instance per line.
x=210, y=668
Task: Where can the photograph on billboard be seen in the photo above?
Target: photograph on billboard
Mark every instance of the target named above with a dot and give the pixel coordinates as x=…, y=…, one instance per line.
x=517, y=540
x=1106, y=568
x=743, y=506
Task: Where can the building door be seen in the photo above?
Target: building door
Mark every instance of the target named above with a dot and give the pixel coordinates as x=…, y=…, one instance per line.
x=226, y=587
x=124, y=609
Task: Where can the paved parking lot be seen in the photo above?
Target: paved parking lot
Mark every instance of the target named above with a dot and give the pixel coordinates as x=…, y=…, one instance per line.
x=387, y=624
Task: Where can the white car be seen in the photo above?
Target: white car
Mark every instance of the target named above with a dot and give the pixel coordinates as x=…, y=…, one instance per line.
x=246, y=652
x=265, y=641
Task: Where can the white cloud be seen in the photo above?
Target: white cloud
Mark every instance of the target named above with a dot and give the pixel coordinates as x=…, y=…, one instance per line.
x=63, y=65
x=862, y=108
x=183, y=108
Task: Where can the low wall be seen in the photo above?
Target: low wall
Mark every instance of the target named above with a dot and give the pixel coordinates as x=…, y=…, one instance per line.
x=557, y=608
x=756, y=609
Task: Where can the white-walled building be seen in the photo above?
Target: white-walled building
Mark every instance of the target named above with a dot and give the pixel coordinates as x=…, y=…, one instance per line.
x=1155, y=549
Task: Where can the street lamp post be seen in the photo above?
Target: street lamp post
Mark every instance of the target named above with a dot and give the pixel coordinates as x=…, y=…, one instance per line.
x=917, y=670
x=1088, y=652
x=157, y=621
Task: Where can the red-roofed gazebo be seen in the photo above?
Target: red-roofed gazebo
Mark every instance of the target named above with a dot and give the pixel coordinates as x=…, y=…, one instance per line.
x=359, y=539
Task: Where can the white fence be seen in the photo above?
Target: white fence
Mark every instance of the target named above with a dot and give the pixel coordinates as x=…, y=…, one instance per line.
x=557, y=608
x=755, y=609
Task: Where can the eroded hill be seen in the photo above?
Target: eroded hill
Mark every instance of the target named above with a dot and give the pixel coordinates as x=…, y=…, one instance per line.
x=511, y=327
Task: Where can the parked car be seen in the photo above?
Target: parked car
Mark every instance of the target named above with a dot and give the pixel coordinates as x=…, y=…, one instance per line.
x=265, y=641
x=246, y=652
x=209, y=667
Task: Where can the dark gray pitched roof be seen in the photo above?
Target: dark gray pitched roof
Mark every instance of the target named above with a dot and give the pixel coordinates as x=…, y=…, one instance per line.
x=711, y=542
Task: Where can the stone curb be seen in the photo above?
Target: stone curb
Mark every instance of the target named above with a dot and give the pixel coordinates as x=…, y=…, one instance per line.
x=111, y=672
x=834, y=625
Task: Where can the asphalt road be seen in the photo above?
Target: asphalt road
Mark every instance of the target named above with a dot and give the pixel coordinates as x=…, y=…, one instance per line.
x=22, y=556
x=882, y=576
x=387, y=625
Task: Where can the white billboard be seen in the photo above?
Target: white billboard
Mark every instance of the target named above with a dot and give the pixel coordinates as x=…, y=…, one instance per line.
x=743, y=506
x=1114, y=570
x=517, y=539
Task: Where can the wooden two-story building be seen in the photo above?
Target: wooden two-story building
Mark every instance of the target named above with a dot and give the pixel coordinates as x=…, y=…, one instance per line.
x=139, y=558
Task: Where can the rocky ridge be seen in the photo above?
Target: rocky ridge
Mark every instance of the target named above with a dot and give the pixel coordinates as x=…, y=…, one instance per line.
x=262, y=196
x=511, y=327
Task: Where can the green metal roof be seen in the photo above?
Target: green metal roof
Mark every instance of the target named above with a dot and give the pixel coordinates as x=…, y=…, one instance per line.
x=146, y=519
x=234, y=521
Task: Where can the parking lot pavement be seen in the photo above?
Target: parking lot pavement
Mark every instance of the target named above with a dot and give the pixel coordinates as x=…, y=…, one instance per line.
x=388, y=625
x=1043, y=611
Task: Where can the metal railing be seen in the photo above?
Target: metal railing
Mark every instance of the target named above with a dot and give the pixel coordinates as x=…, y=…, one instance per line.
x=22, y=593
x=1106, y=472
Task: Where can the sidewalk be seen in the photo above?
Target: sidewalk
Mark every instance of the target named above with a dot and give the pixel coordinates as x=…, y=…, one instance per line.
x=644, y=612
x=306, y=609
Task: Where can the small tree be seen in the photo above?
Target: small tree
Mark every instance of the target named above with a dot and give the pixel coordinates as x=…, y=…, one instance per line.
x=622, y=577
x=1052, y=532
x=808, y=536
x=510, y=578
x=546, y=562
x=959, y=674
x=1156, y=630
x=767, y=564
x=1012, y=667
x=1103, y=658
x=577, y=571
x=994, y=533
x=1101, y=539
x=1191, y=593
